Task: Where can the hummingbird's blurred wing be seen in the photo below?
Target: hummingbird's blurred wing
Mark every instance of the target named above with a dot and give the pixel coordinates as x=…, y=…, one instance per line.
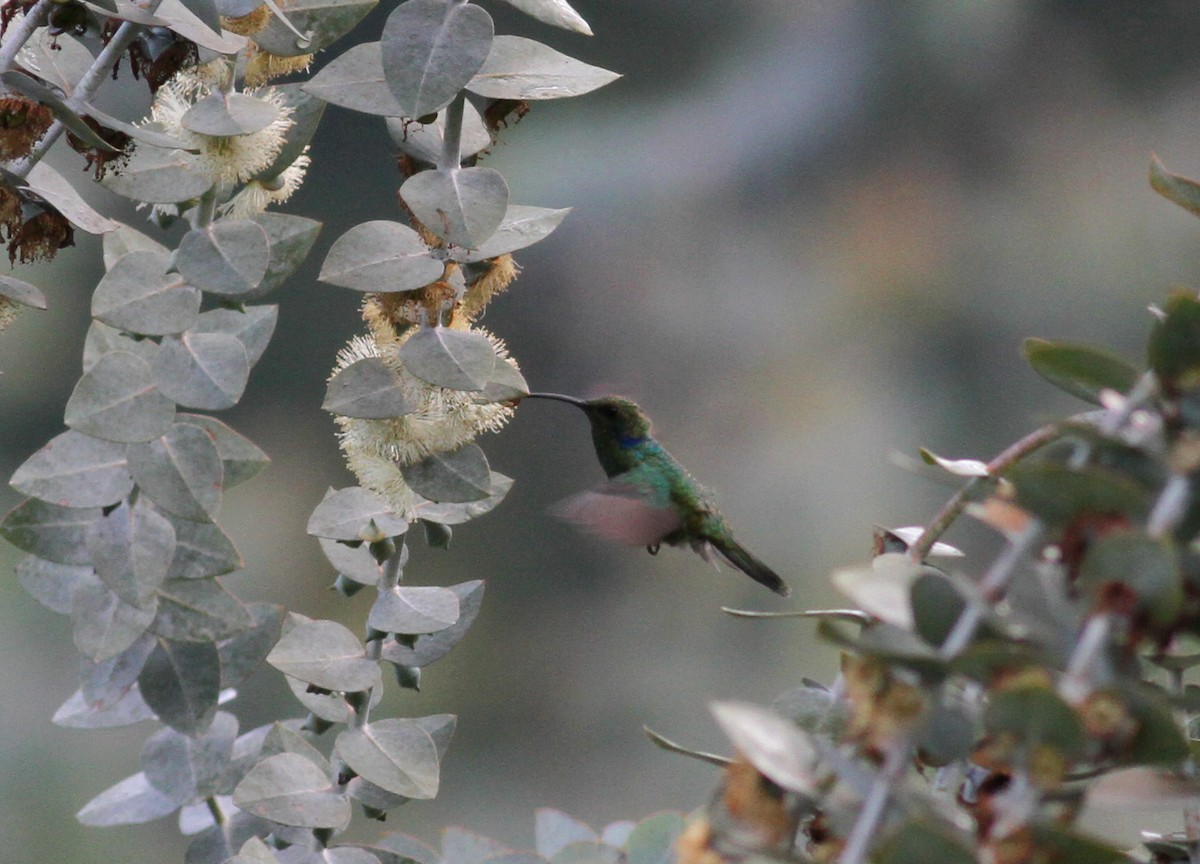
x=620, y=512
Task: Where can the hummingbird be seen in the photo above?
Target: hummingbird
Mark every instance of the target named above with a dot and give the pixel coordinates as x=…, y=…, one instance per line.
x=650, y=498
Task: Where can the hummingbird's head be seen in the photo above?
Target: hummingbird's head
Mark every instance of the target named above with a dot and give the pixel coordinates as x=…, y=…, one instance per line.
x=611, y=416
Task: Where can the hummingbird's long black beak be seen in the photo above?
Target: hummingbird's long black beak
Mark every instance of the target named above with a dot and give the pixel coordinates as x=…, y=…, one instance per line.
x=578, y=403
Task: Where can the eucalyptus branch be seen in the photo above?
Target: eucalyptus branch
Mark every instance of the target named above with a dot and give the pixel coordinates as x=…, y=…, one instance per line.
x=88, y=86
x=451, y=157
x=22, y=32
x=859, y=841
x=1001, y=462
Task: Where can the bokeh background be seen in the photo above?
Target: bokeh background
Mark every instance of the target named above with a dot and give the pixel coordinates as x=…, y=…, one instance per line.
x=807, y=236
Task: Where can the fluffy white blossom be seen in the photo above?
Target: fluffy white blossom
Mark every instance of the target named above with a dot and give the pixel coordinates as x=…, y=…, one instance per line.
x=257, y=195
x=442, y=420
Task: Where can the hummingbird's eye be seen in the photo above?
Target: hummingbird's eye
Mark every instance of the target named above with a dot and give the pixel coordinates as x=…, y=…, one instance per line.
x=609, y=411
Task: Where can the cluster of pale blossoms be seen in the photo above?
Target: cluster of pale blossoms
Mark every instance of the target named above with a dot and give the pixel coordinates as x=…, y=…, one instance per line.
x=441, y=421
x=228, y=160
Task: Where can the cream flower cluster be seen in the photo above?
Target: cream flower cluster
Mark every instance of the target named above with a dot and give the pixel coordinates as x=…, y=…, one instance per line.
x=225, y=159
x=442, y=420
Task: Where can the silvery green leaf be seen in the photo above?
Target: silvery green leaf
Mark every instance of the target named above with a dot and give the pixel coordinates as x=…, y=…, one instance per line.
x=291, y=238
x=326, y=654
x=139, y=295
x=456, y=477
x=463, y=206
x=75, y=470
x=254, y=851
x=190, y=767
x=380, y=256
x=50, y=531
x=58, y=192
x=354, y=562
x=199, y=610
x=241, y=457
x=133, y=801
x=181, y=683
x=427, y=648
x=326, y=21
x=424, y=141
x=290, y=789
x=366, y=388
x=556, y=13
x=202, y=550
x=181, y=472
x=116, y=400
x=224, y=115
x=102, y=339
x=355, y=80
x=414, y=609
x=450, y=358
x=119, y=243
x=243, y=654
x=252, y=325
x=776, y=747
x=149, y=133
x=958, y=467
x=227, y=258
x=202, y=370
x=78, y=713
x=158, y=176
x=102, y=624
x=58, y=59
x=882, y=588
x=354, y=514
x=307, y=111
x=131, y=549
x=554, y=831
x=507, y=383
x=522, y=227
x=456, y=514
x=430, y=50
x=53, y=585
x=20, y=291
x=176, y=16
x=106, y=683
x=520, y=68
x=395, y=754
x=207, y=12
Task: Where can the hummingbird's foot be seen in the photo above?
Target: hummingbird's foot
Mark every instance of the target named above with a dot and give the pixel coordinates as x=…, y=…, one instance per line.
x=653, y=548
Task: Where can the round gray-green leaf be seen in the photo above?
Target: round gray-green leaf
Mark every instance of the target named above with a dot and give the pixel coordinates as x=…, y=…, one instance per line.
x=223, y=115
x=456, y=514
x=522, y=227
x=355, y=80
x=290, y=239
x=454, y=359
x=102, y=624
x=556, y=13
x=241, y=457
x=102, y=339
x=356, y=563
x=366, y=389
x=20, y=291
x=50, y=531
x=228, y=257
x=354, y=514
x=323, y=21
x=456, y=477
x=380, y=256
x=520, y=68
x=326, y=654
x=116, y=400
x=507, y=383
x=181, y=472
x=184, y=767
x=53, y=585
x=1081, y=370
x=158, y=176
x=289, y=788
x=202, y=549
x=131, y=549
x=431, y=49
x=426, y=649
x=463, y=206
x=395, y=754
x=138, y=295
x=133, y=801
x=414, y=609
x=181, y=682
x=253, y=325
x=202, y=370
x=75, y=470
x=199, y=610
x=117, y=244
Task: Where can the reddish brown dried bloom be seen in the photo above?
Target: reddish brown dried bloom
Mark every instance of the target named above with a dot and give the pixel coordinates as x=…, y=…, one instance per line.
x=22, y=124
x=497, y=114
x=40, y=238
x=99, y=159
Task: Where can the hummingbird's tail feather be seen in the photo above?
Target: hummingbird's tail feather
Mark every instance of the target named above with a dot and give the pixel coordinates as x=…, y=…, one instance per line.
x=738, y=556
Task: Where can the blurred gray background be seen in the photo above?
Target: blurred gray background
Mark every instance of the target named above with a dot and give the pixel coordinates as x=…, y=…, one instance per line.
x=806, y=235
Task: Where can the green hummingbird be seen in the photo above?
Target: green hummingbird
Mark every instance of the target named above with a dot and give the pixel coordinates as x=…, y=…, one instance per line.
x=650, y=498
